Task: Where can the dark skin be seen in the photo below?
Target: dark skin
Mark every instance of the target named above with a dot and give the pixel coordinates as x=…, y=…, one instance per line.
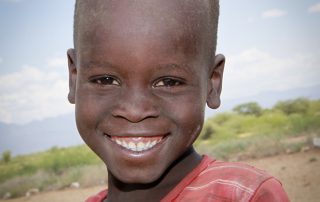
x=141, y=69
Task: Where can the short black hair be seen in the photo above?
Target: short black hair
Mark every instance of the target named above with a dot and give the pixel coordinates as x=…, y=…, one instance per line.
x=80, y=5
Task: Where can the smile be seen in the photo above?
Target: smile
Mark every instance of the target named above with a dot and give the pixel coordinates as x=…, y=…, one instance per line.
x=137, y=144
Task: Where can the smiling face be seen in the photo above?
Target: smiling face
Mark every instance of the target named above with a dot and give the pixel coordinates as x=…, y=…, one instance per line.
x=140, y=79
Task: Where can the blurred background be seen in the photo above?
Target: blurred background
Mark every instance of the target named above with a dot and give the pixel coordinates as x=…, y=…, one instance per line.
x=269, y=117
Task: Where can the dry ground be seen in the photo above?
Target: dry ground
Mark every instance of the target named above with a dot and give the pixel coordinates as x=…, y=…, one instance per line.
x=299, y=173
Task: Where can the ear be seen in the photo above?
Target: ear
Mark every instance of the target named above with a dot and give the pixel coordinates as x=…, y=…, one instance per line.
x=72, y=75
x=215, y=82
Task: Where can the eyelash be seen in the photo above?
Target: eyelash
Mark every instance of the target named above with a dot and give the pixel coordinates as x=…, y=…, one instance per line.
x=105, y=80
x=166, y=82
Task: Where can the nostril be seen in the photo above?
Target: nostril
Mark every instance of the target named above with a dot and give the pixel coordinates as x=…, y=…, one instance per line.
x=135, y=104
x=135, y=111
x=134, y=115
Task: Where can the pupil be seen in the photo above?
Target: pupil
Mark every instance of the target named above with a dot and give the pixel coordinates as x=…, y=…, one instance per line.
x=107, y=80
x=169, y=82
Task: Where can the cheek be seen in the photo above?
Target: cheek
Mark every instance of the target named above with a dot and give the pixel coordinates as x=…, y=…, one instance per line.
x=188, y=116
x=85, y=118
x=192, y=120
x=90, y=110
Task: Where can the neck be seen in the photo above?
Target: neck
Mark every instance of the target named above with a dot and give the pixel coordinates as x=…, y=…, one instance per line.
x=155, y=191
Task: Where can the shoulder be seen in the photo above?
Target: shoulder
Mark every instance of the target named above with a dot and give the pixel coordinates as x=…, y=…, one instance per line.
x=270, y=190
x=244, y=176
x=99, y=197
x=226, y=181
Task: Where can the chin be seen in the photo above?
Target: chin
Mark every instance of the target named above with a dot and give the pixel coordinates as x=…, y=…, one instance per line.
x=139, y=177
x=138, y=180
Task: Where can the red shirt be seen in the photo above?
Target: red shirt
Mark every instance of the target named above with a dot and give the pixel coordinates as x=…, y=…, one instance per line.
x=216, y=181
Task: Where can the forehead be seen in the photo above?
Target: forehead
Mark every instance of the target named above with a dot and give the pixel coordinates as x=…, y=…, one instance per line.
x=176, y=25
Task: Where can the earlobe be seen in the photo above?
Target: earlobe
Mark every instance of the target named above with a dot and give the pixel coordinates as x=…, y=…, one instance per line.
x=72, y=75
x=215, y=82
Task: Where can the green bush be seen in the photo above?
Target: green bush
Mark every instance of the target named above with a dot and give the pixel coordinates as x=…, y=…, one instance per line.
x=251, y=108
x=6, y=156
x=55, y=160
x=300, y=106
x=261, y=132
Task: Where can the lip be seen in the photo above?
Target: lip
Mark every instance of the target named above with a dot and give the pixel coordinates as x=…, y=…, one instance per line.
x=128, y=153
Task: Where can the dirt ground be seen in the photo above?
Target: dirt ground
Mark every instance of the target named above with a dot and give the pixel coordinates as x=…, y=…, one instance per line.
x=299, y=174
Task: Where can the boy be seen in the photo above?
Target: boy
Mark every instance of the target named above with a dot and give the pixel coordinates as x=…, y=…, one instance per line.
x=141, y=73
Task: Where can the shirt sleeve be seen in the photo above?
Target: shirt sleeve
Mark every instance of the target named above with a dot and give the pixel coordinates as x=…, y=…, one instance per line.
x=270, y=190
x=98, y=197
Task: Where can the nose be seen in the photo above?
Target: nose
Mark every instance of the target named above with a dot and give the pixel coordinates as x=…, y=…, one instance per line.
x=135, y=105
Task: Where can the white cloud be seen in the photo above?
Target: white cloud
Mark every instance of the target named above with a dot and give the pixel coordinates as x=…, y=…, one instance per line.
x=58, y=62
x=314, y=8
x=254, y=71
x=33, y=94
x=273, y=13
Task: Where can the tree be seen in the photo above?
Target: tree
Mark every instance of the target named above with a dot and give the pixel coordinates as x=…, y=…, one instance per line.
x=6, y=156
x=207, y=132
x=250, y=108
x=299, y=106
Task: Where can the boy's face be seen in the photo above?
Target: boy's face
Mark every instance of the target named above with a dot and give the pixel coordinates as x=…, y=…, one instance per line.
x=140, y=80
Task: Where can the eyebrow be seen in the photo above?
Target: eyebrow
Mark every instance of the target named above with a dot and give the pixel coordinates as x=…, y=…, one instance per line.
x=182, y=67
x=165, y=67
x=95, y=64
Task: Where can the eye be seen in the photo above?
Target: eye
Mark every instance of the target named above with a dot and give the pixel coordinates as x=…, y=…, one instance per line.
x=105, y=80
x=168, y=82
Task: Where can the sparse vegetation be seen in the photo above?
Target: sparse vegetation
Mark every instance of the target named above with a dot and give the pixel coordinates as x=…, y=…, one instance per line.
x=54, y=169
x=251, y=108
x=249, y=131
x=6, y=156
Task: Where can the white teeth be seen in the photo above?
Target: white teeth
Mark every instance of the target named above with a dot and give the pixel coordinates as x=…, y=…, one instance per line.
x=153, y=143
x=132, y=146
x=137, y=147
x=123, y=143
x=147, y=144
x=118, y=142
x=140, y=146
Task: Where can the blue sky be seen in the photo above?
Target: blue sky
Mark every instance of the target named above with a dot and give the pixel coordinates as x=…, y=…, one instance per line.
x=270, y=46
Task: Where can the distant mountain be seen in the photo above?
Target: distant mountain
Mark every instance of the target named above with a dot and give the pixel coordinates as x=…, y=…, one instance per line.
x=61, y=131
x=39, y=135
